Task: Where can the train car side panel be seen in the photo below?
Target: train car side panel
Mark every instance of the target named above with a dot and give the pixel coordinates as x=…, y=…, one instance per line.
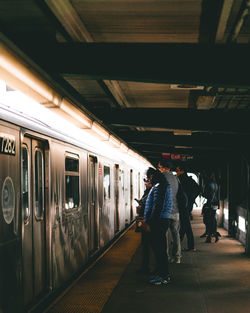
x=69, y=244
x=10, y=248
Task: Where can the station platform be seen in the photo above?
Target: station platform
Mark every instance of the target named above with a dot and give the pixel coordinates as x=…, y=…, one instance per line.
x=214, y=279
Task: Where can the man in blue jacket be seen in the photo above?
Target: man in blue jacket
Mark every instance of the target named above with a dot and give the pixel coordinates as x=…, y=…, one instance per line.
x=156, y=215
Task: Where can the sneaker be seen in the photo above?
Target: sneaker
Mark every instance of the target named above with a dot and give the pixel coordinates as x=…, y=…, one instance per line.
x=219, y=235
x=189, y=249
x=216, y=237
x=158, y=280
x=208, y=240
x=203, y=235
x=175, y=260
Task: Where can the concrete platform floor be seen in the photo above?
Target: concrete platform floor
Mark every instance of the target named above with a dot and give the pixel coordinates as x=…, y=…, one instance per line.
x=215, y=279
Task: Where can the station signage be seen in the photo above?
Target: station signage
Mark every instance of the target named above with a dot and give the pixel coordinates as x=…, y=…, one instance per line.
x=7, y=144
x=172, y=156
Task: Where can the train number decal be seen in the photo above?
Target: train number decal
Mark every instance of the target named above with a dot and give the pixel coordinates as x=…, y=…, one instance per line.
x=7, y=144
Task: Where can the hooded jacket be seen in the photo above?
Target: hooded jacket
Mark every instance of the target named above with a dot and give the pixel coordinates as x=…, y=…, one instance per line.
x=158, y=204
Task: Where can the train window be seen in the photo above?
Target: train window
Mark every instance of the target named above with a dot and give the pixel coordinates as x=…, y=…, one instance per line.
x=25, y=185
x=39, y=196
x=106, y=182
x=72, y=183
x=71, y=165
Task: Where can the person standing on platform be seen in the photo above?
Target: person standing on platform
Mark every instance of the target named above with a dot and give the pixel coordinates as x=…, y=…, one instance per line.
x=145, y=236
x=211, y=193
x=191, y=188
x=165, y=166
x=156, y=215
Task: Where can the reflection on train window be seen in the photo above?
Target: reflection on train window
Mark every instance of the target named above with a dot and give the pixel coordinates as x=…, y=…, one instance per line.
x=25, y=185
x=72, y=183
x=122, y=181
x=106, y=182
x=39, y=197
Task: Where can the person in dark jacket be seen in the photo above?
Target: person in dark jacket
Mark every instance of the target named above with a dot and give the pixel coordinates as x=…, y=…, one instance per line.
x=185, y=225
x=145, y=236
x=157, y=214
x=211, y=193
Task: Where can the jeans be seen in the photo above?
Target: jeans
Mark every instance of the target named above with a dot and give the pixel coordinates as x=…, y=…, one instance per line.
x=174, y=226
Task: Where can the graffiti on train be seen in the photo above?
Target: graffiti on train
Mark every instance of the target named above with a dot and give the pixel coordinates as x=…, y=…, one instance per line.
x=8, y=200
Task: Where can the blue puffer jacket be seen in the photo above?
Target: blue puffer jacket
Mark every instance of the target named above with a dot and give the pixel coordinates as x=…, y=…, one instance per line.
x=158, y=204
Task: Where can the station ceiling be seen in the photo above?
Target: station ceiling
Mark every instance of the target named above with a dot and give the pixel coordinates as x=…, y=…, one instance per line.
x=165, y=76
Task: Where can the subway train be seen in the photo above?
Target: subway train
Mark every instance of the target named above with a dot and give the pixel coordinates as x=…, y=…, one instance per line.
x=65, y=196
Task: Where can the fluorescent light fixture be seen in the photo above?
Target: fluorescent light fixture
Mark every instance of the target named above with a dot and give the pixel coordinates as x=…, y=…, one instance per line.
x=19, y=76
x=186, y=87
x=131, y=152
x=99, y=131
x=123, y=148
x=84, y=121
x=182, y=133
x=2, y=87
x=242, y=224
x=114, y=142
x=225, y=212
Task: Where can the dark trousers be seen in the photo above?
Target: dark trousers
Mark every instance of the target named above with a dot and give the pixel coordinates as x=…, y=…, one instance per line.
x=159, y=246
x=145, y=242
x=186, y=228
x=206, y=221
x=209, y=219
x=211, y=222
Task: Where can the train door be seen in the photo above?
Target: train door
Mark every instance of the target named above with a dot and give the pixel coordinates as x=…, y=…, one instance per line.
x=131, y=194
x=116, y=212
x=93, y=207
x=33, y=219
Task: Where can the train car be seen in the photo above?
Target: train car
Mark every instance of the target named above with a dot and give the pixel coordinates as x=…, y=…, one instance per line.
x=65, y=196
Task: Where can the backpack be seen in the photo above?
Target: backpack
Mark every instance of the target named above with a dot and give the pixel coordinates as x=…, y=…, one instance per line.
x=194, y=188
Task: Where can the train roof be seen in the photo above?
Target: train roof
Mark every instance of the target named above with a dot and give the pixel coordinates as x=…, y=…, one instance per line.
x=22, y=111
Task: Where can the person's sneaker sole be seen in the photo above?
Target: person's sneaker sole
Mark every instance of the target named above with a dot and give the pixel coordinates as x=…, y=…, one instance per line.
x=162, y=282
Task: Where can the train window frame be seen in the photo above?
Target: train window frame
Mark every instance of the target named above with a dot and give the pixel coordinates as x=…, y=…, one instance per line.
x=27, y=211
x=72, y=173
x=39, y=217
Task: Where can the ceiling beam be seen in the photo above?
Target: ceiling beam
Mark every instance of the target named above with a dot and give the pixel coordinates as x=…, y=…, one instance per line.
x=211, y=11
x=196, y=64
x=158, y=150
x=74, y=26
x=224, y=16
x=195, y=140
x=230, y=121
